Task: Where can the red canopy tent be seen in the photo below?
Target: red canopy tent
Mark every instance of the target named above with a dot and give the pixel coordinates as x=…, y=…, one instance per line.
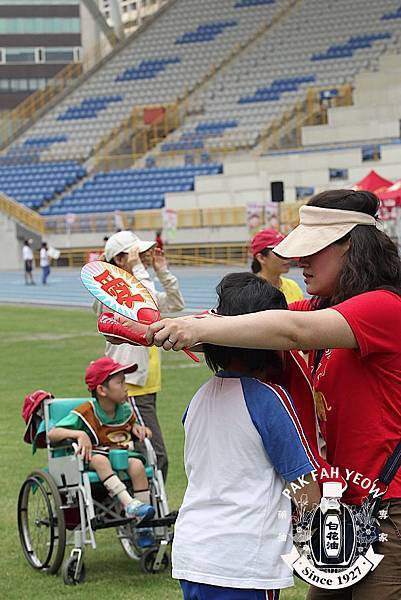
x=373, y=182
x=390, y=200
x=393, y=192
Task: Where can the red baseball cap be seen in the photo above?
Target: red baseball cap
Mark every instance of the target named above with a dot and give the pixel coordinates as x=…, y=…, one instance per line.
x=99, y=370
x=267, y=238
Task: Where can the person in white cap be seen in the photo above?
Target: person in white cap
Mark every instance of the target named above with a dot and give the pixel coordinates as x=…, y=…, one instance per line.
x=126, y=250
x=352, y=328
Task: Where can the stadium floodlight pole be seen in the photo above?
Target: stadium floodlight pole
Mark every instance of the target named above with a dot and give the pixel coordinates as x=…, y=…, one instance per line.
x=116, y=18
x=112, y=34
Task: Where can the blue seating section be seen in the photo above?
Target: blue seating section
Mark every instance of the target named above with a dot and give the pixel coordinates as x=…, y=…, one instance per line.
x=354, y=43
x=392, y=15
x=89, y=108
x=147, y=69
x=278, y=87
x=21, y=155
x=248, y=3
x=37, y=183
x=30, y=151
x=45, y=142
x=129, y=189
x=205, y=32
x=194, y=139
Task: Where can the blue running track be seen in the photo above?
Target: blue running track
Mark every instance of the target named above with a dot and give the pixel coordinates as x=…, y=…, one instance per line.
x=64, y=287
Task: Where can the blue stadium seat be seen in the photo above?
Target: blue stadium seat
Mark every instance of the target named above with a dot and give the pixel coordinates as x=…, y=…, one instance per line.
x=205, y=32
x=194, y=139
x=33, y=185
x=147, y=69
x=276, y=89
x=353, y=43
x=392, y=15
x=89, y=108
x=130, y=189
x=250, y=3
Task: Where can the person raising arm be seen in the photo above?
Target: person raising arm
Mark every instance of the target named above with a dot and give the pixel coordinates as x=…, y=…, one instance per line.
x=352, y=328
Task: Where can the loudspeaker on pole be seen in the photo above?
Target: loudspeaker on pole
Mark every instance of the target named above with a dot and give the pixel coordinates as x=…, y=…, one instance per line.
x=277, y=191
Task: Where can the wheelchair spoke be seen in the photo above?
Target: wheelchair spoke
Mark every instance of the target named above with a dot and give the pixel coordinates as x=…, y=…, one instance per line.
x=39, y=526
x=41, y=522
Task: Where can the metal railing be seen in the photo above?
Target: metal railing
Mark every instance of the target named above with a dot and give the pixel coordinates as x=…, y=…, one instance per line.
x=236, y=253
x=145, y=220
x=168, y=158
x=141, y=220
x=134, y=133
x=286, y=131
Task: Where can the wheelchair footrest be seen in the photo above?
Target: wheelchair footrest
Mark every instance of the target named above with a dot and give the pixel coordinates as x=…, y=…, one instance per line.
x=101, y=523
x=166, y=521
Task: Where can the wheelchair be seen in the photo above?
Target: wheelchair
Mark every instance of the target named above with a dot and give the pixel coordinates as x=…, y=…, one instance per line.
x=65, y=504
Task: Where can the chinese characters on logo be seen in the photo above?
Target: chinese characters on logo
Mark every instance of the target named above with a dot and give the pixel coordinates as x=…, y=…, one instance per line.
x=118, y=289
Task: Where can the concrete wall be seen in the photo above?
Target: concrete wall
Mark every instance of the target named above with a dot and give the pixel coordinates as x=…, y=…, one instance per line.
x=295, y=169
x=370, y=130
x=12, y=237
x=348, y=115
x=10, y=248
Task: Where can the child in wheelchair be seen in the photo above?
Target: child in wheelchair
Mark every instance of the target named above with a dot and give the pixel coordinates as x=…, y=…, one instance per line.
x=106, y=423
x=66, y=503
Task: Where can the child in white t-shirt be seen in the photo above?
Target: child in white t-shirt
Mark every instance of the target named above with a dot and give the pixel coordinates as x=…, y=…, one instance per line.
x=243, y=441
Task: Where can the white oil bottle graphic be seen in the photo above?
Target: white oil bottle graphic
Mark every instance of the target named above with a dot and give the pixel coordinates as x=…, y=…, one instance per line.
x=332, y=529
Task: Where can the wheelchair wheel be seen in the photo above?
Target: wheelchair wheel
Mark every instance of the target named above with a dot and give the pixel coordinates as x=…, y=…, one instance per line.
x=70, y=575
x=41, y=523
x=126, y=537
x=148, y=562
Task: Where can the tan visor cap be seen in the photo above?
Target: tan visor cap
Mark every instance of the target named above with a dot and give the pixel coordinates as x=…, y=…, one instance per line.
x=318, y=228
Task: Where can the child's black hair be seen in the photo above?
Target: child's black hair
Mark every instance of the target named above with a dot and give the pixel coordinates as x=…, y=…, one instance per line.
x=239, y=294
x=105, y=383
x=256, y=267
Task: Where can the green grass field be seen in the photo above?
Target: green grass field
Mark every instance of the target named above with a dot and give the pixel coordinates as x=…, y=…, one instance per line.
x=49, y=348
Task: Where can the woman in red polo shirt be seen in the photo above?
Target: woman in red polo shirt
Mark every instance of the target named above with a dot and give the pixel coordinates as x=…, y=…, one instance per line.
x=353, y=271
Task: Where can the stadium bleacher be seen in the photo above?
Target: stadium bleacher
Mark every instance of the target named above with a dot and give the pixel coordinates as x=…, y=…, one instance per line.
x=194, y=139
x=129, y=189
x=88, y=108
x=36, y=183
x=147, y=69
x=319, y=44
x=167, y=58
x=45, y=141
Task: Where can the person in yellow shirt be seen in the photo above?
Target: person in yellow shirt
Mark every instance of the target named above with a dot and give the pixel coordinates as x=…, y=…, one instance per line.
x=127, y=251
x=271, y=267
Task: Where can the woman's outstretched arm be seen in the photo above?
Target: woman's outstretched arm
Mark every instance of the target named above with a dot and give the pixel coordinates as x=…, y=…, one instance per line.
x=274, y=329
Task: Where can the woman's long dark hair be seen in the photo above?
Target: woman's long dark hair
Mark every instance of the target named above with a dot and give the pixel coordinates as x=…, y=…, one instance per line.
x=372, y=261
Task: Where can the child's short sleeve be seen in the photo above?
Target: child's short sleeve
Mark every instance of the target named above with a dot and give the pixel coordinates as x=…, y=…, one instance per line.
x=73, y=421
x=273, y=414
